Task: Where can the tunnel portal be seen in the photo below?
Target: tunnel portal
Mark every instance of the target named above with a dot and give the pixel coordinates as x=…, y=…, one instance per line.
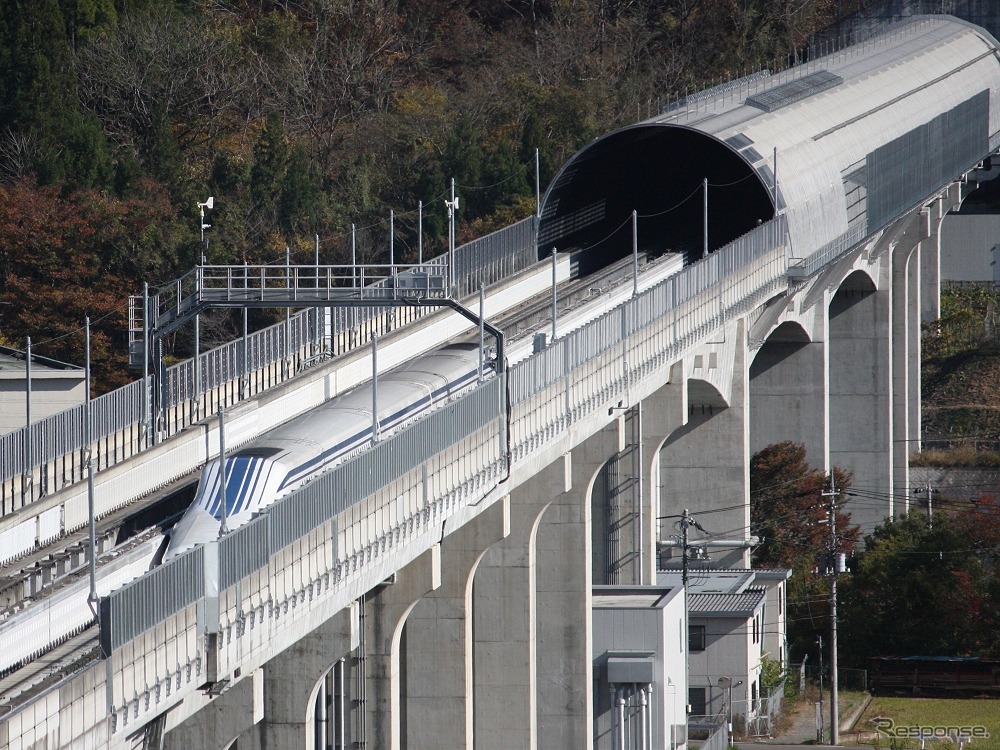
x=658, y=171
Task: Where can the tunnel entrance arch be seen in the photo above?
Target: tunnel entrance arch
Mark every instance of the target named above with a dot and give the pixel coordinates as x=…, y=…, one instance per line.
x=658, y=171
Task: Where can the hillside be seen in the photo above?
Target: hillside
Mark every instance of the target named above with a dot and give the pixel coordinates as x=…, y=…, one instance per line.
x=960, y=371
x=304, y=119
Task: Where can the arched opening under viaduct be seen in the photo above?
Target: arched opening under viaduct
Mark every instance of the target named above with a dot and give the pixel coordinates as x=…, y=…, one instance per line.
x=658, y=171
x=787, y=396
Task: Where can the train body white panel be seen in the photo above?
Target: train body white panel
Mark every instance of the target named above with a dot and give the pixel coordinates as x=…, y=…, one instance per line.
x=299, y=450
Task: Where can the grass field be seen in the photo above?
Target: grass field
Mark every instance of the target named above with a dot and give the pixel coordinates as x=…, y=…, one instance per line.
x=930, y=712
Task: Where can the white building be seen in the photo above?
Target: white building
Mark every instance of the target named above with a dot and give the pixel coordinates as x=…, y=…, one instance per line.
x=55, y=386
x=737, y=618
x=639, y=654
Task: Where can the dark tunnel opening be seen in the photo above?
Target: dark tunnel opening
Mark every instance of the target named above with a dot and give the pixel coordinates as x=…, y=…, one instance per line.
x=658, y=171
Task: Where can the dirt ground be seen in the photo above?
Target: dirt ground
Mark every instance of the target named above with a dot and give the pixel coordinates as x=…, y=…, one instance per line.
x=797, y=725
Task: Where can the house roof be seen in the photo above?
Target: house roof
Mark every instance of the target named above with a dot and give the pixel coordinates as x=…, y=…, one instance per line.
x=13, y=366
x=744, y=604
x=722, y=580
x=632, y=597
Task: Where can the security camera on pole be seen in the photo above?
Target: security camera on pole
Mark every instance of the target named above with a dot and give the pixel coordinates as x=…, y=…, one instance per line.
x=209, y=204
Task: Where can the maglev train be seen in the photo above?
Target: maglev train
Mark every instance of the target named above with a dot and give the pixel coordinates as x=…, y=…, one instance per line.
x=294, y=453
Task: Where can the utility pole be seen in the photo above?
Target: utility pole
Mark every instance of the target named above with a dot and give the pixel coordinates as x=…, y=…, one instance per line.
x=930, y=502
x=819, y=723
x=685, y=522
x=833, y=565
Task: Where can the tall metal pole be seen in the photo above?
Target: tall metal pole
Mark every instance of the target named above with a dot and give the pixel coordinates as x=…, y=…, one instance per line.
x=392, y=247
x=452, y=208
x=352, y=311
x=635, y=254
x=86, y=374
x=147, y=416
x=199, y=283
x=197, y=365
x=555, y=296
x=29, y=460
x=92, y=599
x=685, y=522
x=704, y=219
x=245, y=375
x=319, y=314
x=819, y=729
x=288, y=313
x=354, y=256
x=223, y=529
x=374, y=387
x=482, y=331
x=420, y=232
x=833, y=563
x=538, y=187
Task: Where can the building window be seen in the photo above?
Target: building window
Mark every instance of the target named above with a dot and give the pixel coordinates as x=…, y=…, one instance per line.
x=696, y=637
x=696, y=697
x=755, y=634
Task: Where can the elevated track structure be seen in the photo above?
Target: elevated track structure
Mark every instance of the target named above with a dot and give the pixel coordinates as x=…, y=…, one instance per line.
x=435, y=589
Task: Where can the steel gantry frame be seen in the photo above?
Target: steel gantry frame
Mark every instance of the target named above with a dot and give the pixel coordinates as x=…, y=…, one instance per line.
x=288, y=286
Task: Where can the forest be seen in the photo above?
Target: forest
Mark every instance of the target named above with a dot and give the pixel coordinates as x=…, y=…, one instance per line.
x=307, y=117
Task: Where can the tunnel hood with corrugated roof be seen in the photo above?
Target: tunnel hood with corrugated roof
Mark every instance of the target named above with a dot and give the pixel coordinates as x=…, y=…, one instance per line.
x=843, y=145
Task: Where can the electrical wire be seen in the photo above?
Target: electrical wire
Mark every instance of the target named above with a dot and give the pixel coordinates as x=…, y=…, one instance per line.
x=74, y=332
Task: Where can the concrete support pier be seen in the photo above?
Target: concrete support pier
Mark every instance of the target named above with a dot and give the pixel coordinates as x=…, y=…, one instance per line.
x=274, y=706
x=861, y=434
x=531, y=613
x=438, y=640
x=704, y=465
x=788, y=393
x=386, y=611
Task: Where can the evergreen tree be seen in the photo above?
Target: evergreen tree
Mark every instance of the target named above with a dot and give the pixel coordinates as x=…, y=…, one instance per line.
x=270, y=161
x=39, y=95
x=300, y=202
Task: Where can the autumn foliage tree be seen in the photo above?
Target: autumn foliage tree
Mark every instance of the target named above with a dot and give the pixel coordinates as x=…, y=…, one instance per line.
x=787, y=508
x=64, y=258
x=304, y=118
x=944, y=576
x=789, y=513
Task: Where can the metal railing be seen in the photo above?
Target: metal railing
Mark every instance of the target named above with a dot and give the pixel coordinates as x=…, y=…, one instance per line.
x=224, y=376
x=351, y=521
x=268, y=285
x=147, y=601
x=656, y=306
x=707, y=732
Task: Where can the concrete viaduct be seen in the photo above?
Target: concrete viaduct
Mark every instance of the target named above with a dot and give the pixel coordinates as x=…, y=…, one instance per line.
x=448, y=604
